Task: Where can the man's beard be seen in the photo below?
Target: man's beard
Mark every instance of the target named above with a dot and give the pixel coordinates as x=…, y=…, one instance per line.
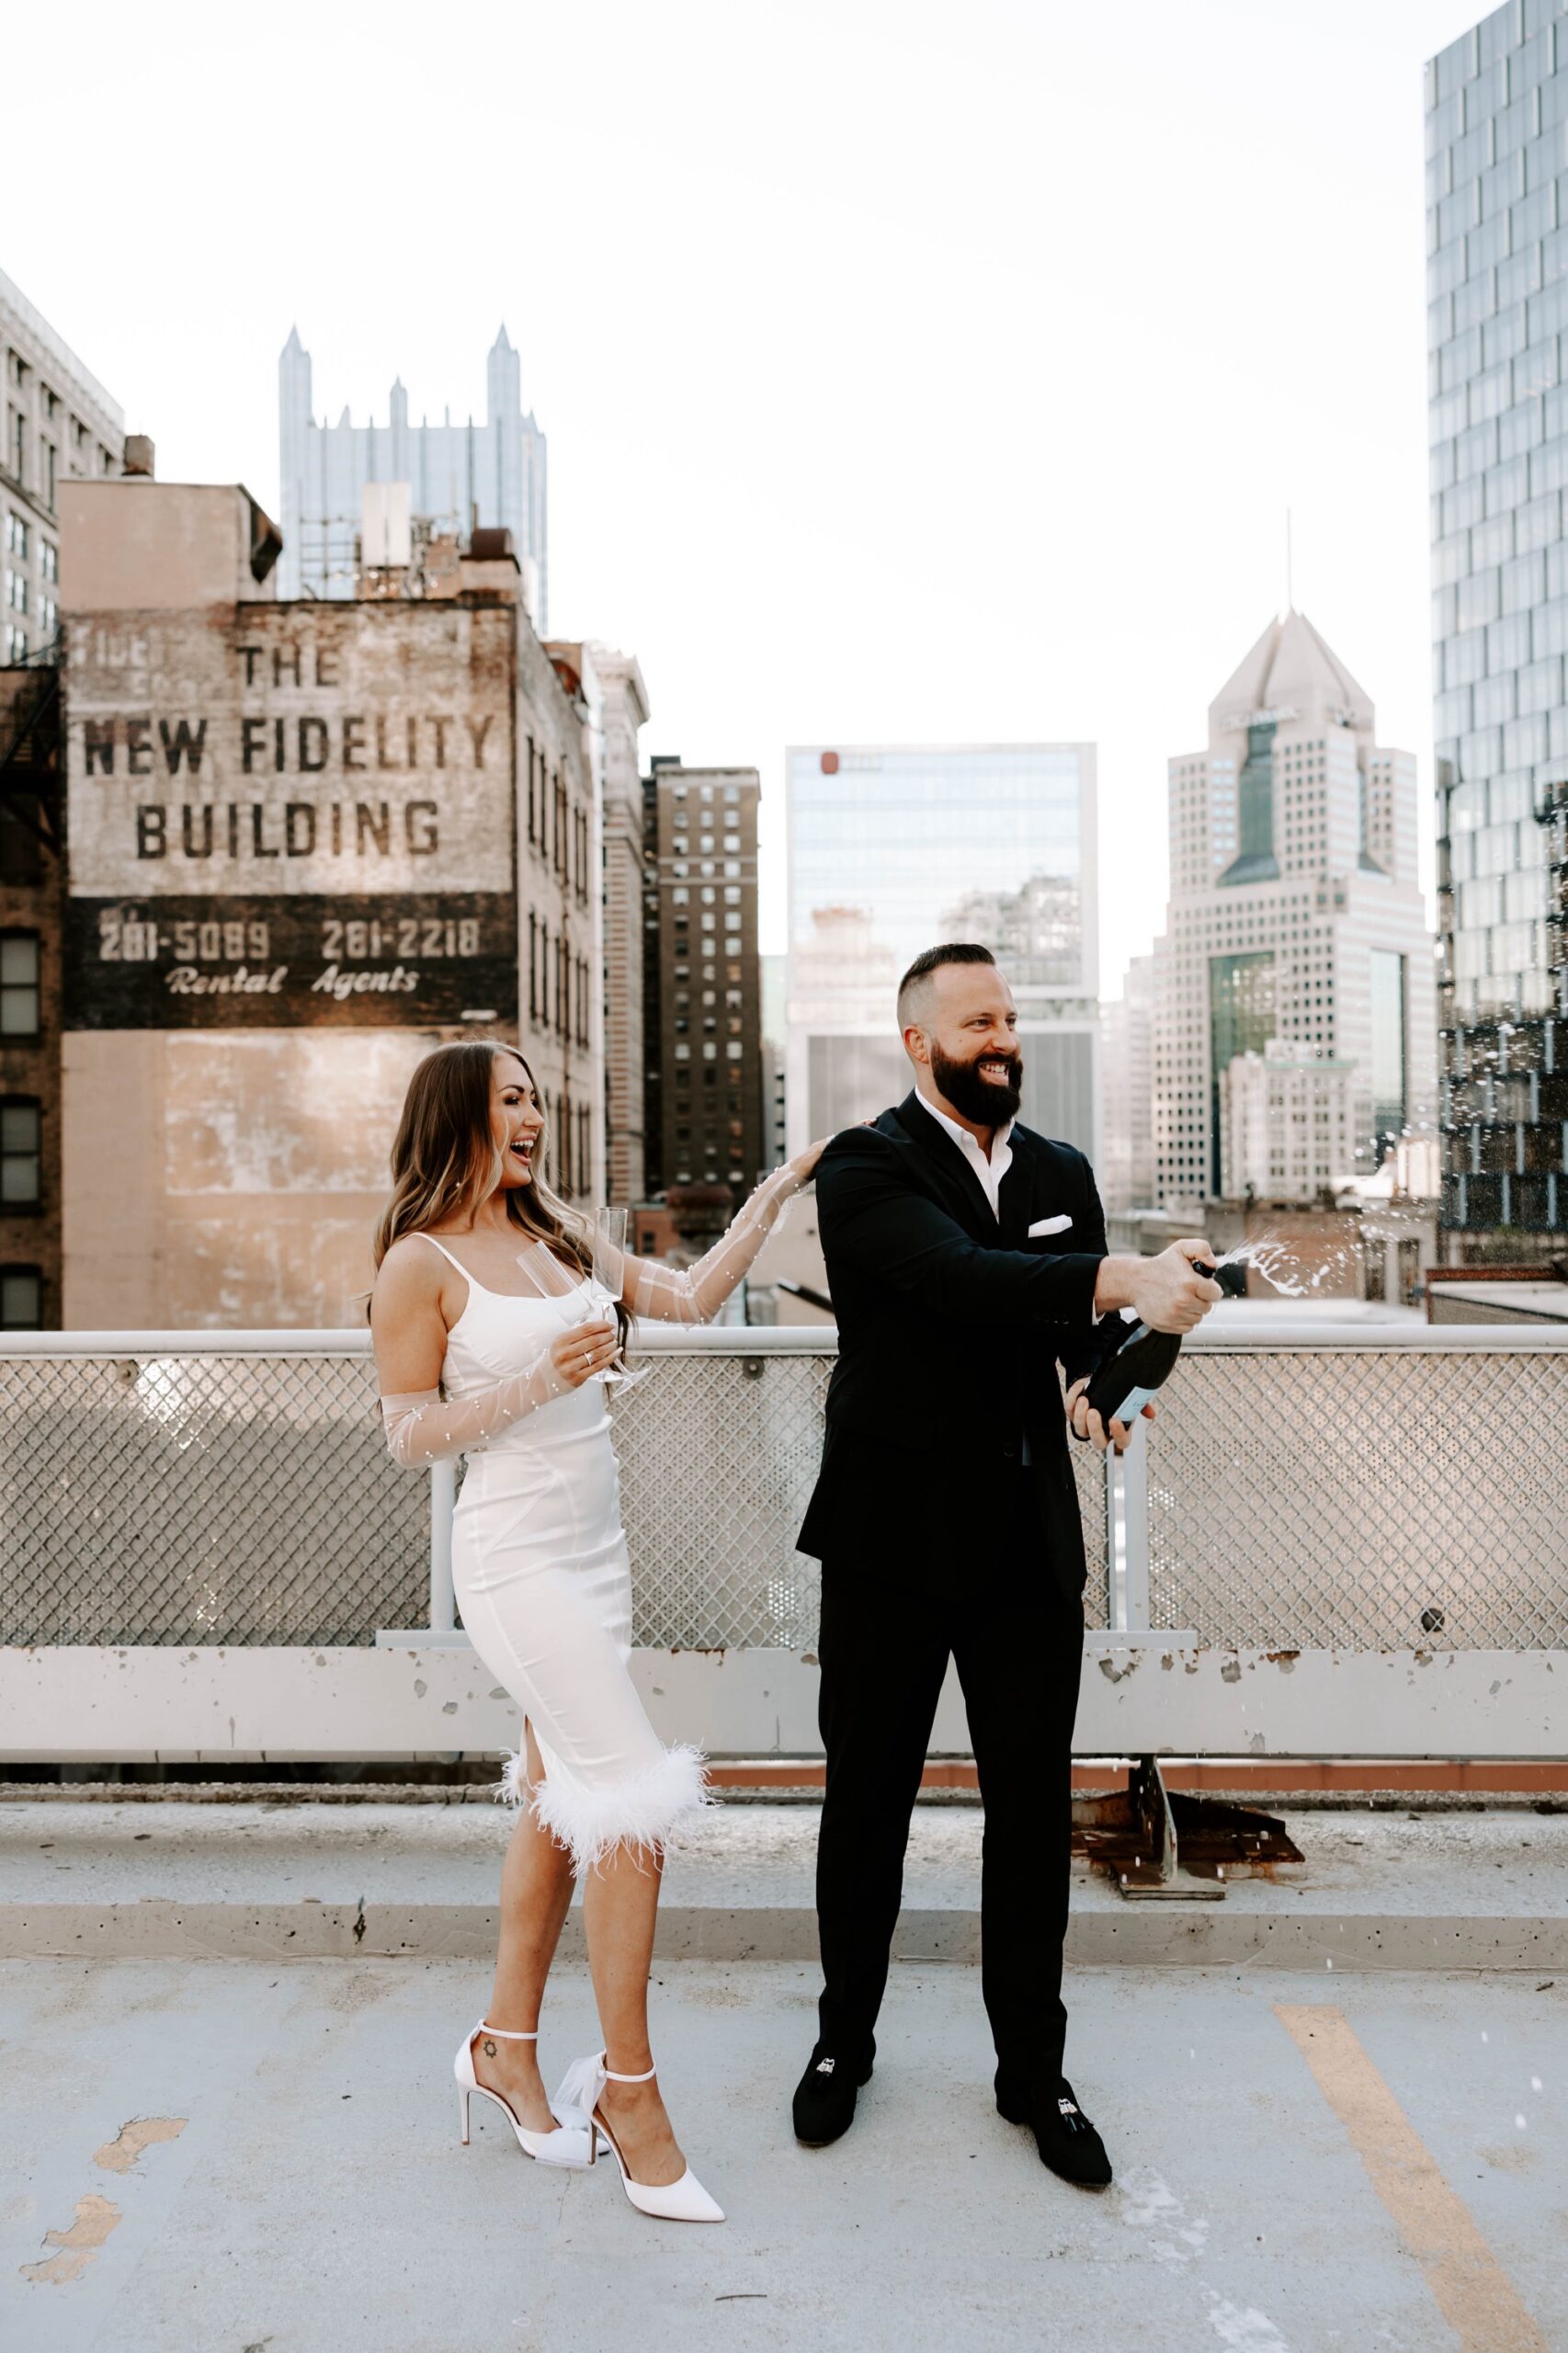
x=988, y=1101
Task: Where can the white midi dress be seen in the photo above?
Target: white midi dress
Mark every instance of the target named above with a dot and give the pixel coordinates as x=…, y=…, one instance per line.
x=543, y=1583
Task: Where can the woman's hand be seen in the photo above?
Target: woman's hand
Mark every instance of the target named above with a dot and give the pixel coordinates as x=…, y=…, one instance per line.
x=587, y=1348
x=805, y=1164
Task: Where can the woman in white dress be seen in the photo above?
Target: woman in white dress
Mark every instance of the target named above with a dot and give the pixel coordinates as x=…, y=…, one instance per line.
x=483, y=1349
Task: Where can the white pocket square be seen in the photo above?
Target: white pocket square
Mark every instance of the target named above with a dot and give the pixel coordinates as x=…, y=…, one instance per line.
x=1049, y=1225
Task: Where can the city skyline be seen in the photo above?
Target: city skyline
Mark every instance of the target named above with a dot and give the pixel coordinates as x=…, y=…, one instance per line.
x=790, y=596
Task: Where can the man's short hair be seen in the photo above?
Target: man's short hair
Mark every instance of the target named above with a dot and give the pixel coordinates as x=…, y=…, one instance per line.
x=911, y=989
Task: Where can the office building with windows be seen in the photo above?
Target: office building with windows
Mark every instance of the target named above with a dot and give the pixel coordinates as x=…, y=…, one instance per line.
x=460, y=476
x=1497, y=292
x=1285, y=1126
x=60, y=424
x=893, y=848
x=706, y=1122
x=622, y=713
x=1295, y=910
x=1126, y=1168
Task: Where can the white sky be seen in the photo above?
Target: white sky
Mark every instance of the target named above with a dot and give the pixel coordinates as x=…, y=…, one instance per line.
x=911, y=371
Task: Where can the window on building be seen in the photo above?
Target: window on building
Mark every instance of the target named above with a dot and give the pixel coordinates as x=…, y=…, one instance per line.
x=21, y=1152
x=16, y=536
x=51, y=468
x=21, y=1299
x=15, y=642
x=20, y=991
x=16, y=447
x=16, y=591
x=1389, y=1097
x=21, y=852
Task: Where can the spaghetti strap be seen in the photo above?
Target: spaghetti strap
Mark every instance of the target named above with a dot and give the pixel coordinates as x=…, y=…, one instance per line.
x=448, y=1258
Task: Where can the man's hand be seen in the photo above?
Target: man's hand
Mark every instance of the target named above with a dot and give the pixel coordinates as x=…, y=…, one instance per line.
x=1167, y=1292
x=1087, y=1425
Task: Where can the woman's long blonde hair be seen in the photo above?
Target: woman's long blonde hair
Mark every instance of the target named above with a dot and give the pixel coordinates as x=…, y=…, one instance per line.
x=446, y=1158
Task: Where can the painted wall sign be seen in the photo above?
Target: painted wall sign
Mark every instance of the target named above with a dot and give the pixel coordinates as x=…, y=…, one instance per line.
x=292, y=814
x=406, y=959
x=292, y=748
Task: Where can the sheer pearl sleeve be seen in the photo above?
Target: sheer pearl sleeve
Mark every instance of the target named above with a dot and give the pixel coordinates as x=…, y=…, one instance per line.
x=695, y=1294
x=424, y=1426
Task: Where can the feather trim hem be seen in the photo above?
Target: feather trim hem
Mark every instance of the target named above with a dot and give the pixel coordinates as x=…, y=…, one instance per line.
x=644, y=1812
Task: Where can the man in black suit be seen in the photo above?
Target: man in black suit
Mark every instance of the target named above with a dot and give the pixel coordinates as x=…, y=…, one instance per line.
x=966, y=1258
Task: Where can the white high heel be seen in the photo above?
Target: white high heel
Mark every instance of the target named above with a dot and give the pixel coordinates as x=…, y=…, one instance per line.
x=684, y=2201
x=572, y=2142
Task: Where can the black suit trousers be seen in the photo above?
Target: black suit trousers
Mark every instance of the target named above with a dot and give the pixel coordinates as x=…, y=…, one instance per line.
x=889, y=1626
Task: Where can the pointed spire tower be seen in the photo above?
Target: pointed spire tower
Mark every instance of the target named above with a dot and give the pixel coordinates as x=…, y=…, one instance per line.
x=493, y=472
x=293, y=444
x=1294, y=916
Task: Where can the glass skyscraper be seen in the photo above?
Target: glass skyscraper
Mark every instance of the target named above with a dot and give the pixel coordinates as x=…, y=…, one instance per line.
x=894, y=848
x=1498, y=287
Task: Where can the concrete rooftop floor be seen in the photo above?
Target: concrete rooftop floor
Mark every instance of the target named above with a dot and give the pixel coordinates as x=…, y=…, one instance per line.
x=314, y=2198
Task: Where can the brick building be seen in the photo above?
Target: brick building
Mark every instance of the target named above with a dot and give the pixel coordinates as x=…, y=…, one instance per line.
x=308, y=841
x=30, y=892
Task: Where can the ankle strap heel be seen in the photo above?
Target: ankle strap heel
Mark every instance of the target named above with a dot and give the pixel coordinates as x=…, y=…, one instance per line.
x=684, y=2201
x=571, y=2141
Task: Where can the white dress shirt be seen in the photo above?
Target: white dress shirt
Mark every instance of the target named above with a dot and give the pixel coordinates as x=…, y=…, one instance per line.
x=990, y=1172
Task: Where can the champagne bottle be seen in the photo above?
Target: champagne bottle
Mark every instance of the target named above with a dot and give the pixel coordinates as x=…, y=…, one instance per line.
x=1124, y=1381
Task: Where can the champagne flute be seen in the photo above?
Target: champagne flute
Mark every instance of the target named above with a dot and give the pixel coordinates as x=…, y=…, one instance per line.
x=609, y=1276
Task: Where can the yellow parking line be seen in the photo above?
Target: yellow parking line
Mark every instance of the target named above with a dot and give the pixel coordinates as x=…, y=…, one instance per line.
x=1471, y=2288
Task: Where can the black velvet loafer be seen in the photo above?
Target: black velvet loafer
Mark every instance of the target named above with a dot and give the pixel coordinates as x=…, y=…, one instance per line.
x=825, y=2096
x=1068, y=2143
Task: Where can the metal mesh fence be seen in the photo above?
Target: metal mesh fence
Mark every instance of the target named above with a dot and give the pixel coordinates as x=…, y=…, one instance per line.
x=1297, y=1498
x=250, y=1499
x=718, y=1455
x=203, y=1499
x=717, y=1458
x=1363, y=1500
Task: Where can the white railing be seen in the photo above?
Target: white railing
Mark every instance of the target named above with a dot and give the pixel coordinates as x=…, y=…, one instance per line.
x=1349, y=1539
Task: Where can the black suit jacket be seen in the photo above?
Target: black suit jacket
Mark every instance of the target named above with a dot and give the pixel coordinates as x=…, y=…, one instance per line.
x=950, y=1325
